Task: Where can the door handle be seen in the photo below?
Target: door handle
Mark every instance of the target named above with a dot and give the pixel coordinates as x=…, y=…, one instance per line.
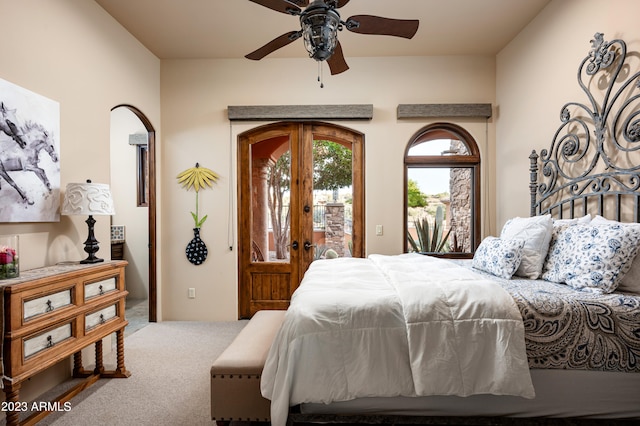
x=294, y=245
x=307, y=209
x=307, y=245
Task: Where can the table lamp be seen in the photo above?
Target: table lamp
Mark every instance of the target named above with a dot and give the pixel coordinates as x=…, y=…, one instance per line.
x=88, y=199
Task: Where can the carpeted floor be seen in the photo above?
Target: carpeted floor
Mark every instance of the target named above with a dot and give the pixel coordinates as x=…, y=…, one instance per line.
x=169, y=384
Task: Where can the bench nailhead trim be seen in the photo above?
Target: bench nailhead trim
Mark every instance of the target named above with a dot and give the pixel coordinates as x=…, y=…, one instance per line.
x=231, y=419
x=235, y=376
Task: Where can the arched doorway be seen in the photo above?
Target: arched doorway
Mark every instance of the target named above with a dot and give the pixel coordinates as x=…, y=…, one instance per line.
x=147, y=179
x=301, y=198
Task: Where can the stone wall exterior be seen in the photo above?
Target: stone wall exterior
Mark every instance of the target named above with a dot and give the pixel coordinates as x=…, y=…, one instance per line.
x=460, y=195
x=334, y=228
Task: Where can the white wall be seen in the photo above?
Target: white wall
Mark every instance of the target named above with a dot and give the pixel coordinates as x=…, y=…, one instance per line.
x=537, y=74
x=195, y=96
x=73, y=52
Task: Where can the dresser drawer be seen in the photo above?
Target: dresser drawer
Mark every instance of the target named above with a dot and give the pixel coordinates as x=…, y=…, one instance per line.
x=46, y=304
x=100, y=317
x=46, y=340
x=99, y=288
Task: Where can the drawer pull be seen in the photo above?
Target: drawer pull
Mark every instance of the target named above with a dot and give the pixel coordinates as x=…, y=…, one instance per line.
x=101, y=290
x=49, y=307
x=49, y=341
x=102, y=320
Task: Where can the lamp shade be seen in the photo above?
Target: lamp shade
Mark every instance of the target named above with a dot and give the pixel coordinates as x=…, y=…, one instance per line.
x=87, y=199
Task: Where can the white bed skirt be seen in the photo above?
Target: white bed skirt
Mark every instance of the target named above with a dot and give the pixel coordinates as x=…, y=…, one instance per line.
x=559, y=393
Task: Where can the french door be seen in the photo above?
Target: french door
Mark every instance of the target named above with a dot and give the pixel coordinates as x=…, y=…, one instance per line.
x=301, y=198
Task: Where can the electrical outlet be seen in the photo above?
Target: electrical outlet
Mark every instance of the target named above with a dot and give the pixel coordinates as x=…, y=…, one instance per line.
x=192, y=293
x=378, y=230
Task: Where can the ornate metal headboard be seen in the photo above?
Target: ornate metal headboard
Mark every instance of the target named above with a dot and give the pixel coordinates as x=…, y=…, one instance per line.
x=593, y=164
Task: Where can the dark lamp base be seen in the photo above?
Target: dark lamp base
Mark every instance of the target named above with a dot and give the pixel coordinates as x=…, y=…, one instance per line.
x=91, y=244
x=90, y=260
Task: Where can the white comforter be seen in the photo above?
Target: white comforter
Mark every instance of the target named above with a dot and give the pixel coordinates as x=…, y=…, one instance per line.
x=406, y=325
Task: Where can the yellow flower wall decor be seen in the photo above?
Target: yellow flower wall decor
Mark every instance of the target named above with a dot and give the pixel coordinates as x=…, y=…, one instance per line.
x=197, y=178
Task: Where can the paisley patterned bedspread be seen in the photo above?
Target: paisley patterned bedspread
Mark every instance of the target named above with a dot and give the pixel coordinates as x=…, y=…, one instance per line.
x=570, y=329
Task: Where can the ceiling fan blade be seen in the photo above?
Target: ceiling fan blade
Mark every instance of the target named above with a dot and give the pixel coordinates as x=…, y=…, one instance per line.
x=340, y=3
x=336, y=62
x=368, y=24
x=274, y=45
x=280, y=6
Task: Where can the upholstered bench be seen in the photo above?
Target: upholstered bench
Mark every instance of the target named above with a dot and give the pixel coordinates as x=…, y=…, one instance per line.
x=235, y=375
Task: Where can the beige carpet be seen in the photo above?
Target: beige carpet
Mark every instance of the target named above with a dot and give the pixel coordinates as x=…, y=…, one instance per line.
x=169, y=384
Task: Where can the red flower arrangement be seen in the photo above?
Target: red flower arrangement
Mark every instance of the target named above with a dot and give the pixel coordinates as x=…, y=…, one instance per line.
x=8, y=263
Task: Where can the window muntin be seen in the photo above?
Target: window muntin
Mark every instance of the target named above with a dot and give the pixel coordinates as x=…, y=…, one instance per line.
x=437, y=147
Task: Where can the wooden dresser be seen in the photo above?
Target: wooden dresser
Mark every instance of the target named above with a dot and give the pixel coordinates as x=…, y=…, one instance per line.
x=52, y=313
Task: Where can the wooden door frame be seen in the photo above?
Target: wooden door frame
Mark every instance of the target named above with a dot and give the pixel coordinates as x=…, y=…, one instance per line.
x=153, y=292
x=304, y=130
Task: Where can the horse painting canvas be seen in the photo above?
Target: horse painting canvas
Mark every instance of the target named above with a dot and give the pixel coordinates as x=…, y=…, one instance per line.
x=29, y=156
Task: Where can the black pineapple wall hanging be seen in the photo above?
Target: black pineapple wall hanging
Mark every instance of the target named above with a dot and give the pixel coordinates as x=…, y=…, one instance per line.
x=197, y=178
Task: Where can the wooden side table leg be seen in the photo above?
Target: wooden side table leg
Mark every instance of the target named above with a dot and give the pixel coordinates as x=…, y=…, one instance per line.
x=12, y=395
x=99, y=363
x=120, y=371
x=78, y=368
x=77, y=363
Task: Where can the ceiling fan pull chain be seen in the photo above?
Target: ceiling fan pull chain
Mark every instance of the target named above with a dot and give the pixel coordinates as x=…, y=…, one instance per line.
x=320, y=76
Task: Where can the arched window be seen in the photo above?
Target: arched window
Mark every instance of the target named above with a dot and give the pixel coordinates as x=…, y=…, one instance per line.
x=442, y=192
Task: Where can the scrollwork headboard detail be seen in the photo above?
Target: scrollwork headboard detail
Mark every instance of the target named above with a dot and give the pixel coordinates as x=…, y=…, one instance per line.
x=593, y=164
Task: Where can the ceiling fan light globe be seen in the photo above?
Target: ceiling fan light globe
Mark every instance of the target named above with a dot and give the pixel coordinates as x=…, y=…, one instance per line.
x=320, y=27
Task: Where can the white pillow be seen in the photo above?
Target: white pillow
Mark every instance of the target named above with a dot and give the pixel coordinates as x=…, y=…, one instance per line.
x=631, y=281
x=592, y=258
x=583, y=220
x=536, y=232
x=498, y=257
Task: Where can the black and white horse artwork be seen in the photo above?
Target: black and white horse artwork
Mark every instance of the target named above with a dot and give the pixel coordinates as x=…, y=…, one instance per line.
x=29, y=178
x=36, y=139
x=8, y=124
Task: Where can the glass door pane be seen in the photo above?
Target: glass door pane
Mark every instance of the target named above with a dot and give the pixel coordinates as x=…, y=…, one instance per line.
x=332, y=199
x=270, y=200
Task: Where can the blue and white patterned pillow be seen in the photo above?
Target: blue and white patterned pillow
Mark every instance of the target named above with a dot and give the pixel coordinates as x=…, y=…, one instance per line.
x=498, y=257
x=592, y=257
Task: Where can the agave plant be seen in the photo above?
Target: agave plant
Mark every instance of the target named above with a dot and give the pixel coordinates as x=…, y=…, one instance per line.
x=430, y=237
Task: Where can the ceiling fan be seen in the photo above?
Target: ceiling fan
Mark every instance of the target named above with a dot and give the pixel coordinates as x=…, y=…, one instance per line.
x=320, y=22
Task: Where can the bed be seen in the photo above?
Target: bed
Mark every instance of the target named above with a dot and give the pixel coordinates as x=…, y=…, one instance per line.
x=543, y=322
